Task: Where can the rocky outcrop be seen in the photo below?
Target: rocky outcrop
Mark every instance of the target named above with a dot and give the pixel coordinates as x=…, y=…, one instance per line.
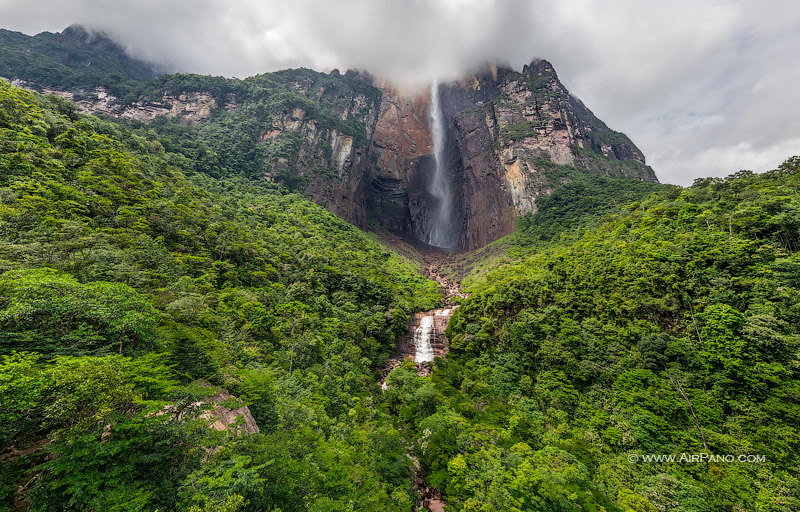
x=190, y=108
x=222, y=411
x=224, y=418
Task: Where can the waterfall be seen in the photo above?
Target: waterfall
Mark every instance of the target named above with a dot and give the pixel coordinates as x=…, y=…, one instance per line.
x=442, y=233
x=422, y=340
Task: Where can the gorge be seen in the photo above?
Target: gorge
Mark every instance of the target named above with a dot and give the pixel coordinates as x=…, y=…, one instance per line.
x=183, y=329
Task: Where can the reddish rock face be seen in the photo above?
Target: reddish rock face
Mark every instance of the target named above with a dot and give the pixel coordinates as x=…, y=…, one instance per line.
x=402, y=133
x=503, y=127
x=487, y=207
x=401, y=162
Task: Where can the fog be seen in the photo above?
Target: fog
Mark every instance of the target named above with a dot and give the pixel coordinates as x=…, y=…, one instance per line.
x=703, y=87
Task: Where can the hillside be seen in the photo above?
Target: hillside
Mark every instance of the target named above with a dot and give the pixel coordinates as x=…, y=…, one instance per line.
x=668, y=328
x=125, y=284
x=212, y=290
x=129, y=288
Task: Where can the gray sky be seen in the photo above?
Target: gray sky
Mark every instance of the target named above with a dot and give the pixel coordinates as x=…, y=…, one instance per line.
x=703, y=87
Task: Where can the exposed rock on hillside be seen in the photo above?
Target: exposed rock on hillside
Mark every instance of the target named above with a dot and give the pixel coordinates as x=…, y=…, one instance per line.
x=189, y=108
x=223, y=417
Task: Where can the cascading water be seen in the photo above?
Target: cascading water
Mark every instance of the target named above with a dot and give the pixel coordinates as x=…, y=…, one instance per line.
x=427, y=336
x=427, y=332
x=442, y=233
x=422, y=340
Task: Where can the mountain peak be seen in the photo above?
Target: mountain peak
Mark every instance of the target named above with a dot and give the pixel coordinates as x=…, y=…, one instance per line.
x=81, y=33
x=78, y=57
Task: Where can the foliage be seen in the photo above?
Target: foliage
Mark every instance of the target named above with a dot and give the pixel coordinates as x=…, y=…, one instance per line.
x=580, y=199
x=54, y=305
x=126, y=288
x=140, y=271
x=661, y=328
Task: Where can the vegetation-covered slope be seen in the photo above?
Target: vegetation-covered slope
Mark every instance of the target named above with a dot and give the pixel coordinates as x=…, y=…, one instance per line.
x=125, y=285
x=286, y=125
x=248, y=138
x=73, y=58
x=670, y=328
x=618, y=325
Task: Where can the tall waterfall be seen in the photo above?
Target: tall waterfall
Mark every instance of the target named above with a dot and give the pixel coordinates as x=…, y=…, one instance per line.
x=443, y=233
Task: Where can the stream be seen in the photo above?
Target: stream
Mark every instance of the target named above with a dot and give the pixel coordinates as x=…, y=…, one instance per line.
x=423, y=341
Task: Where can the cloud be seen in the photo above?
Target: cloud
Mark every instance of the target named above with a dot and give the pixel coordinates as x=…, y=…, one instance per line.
x=704, y=87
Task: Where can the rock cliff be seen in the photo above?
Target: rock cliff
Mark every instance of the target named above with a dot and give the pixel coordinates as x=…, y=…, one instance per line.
x=503, y=130
x=364, y=150
x=187, y=107
x=400, y=159
x=327, y=137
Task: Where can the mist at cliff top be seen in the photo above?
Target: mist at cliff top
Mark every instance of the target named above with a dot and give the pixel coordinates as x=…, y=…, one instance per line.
x=703, y=87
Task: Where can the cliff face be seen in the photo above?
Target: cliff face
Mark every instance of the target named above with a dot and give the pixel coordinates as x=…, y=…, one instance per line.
x=401, y=163
x=504, y=129
x=365, y=151
x=328, y=159
x=189, y=108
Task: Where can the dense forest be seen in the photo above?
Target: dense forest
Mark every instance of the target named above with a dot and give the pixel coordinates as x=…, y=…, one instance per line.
x=667, y=328
x=145, y=269
x=128, y=290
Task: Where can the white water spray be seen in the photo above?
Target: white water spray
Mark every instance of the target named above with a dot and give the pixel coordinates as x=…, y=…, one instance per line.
x=442, y=233
x=422, y=340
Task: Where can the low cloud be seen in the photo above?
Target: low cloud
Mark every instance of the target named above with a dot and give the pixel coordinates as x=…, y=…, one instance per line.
x=703, y=87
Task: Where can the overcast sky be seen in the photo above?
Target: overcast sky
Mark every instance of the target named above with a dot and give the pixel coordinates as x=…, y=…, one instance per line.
x=703, y=87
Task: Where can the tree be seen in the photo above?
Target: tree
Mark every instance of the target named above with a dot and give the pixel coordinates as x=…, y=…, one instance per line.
x=652, y=349
x=48, y=301
x=296, y=313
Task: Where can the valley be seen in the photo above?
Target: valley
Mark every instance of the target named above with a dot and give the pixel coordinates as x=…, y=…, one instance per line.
x=305, y=291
